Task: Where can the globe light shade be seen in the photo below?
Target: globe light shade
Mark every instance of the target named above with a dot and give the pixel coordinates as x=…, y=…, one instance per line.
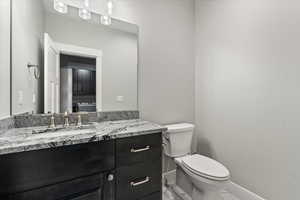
x=60, y=6
x=85, y=14
x=106, y=20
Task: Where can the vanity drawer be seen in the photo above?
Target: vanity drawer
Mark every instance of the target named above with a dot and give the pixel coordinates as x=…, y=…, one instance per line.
x=138, y=149
x=137, y=181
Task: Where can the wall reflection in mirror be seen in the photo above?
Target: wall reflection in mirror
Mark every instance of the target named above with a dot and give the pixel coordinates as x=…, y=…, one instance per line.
x=63, y=61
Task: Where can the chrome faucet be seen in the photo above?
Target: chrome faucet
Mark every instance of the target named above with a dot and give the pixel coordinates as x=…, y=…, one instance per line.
x=52, y=122
x=66, y=120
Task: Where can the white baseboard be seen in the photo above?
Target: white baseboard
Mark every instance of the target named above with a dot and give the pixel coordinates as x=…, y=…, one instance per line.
x=242, y=193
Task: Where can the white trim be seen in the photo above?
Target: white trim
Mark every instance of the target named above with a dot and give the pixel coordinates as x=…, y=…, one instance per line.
x=99, y=88
x=241, y=192
x=91, y=53
x=5, y=117
x=48, y=43
x=77, y=50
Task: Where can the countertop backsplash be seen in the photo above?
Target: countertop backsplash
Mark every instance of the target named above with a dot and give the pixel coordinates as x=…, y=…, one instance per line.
x=32, y=120
x=7, y=123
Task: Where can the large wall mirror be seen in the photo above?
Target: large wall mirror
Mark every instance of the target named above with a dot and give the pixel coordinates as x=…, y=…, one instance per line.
x=66, y=58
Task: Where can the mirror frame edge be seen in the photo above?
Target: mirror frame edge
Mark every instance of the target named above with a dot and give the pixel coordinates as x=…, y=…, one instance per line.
x=10, y=58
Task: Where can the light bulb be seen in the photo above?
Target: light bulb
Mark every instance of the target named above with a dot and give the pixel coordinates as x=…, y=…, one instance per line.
x=110, y=6
x=86, y=3
x=60, y=6
x=84, y=12
x=105, y=20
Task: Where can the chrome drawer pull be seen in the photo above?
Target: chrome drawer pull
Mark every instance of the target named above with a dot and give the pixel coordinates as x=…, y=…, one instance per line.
x=139, y=150
x=133, y=184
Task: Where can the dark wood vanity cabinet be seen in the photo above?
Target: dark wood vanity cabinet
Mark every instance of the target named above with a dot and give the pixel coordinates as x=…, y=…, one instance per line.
x=121, y=169
x=56, y=173
x=139, y=168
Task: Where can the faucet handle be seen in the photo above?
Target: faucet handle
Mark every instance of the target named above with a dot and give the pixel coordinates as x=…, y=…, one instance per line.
x=66, y=119
x=79, y=122
x=52, y=122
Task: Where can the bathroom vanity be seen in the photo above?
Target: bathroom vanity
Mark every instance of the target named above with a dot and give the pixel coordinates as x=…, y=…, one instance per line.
x=115, y=160
x=57, y=67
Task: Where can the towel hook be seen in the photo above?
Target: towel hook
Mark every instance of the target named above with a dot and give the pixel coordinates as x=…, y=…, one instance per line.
x=36, y=70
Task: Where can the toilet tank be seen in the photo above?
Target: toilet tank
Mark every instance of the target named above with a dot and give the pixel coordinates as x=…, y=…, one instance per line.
x=178, y=139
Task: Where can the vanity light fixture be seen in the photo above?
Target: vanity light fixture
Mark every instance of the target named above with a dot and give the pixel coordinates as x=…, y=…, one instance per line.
x=85, y=12
x=110, y=7
x=59, y=6
x=106, y=19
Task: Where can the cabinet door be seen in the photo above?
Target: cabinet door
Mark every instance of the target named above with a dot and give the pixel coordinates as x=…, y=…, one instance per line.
x=109, y=186
x=65, y=190
x=96, y=195
x=155, y=196
x=30, y=170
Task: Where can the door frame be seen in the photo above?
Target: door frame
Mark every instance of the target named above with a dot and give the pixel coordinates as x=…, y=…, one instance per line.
x=74, y=50
x=49, y=43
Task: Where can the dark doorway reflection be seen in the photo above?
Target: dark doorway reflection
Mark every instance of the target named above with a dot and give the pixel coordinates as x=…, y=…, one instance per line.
x=78, y=83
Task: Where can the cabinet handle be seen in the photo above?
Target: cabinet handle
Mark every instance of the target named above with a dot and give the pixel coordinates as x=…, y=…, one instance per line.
x=134, y=184
x=110, y=177
x=139, y=150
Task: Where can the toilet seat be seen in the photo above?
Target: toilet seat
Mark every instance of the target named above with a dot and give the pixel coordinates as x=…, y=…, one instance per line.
x=205, y=167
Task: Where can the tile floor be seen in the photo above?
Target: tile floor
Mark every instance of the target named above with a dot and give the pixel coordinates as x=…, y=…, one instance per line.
x=171, y=191
x=169, y=194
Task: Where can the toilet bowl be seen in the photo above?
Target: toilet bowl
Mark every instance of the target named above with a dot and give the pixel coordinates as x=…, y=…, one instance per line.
x=208, y=177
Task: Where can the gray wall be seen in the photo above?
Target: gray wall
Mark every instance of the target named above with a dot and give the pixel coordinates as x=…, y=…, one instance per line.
x=4, y=58
x=247, y=91
x=119, y=67
x=166, y=57
x=28, y=26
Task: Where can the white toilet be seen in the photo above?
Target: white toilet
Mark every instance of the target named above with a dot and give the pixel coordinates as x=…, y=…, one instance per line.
x=207, y=176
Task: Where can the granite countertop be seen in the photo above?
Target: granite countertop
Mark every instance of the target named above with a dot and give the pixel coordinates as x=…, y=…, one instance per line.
x=22, y=139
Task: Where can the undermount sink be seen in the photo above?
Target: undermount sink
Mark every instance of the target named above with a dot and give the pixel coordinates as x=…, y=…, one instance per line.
x=62, y=128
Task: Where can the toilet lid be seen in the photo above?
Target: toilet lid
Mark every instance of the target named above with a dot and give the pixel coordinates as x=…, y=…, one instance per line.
x=206, y=167
x=181, y=127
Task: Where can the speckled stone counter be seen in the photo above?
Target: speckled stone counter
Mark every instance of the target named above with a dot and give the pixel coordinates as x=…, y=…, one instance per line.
x=30, y=120
x=22, y=139
x=6, y=124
